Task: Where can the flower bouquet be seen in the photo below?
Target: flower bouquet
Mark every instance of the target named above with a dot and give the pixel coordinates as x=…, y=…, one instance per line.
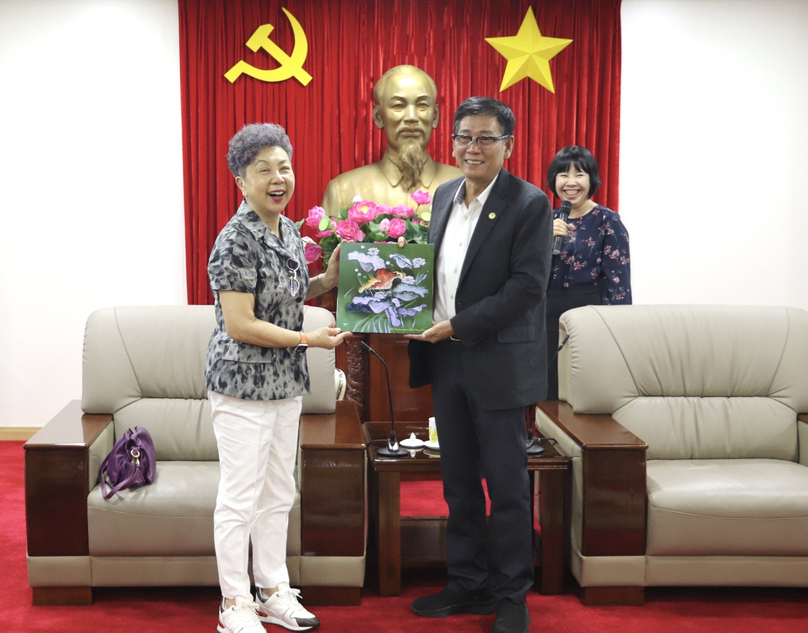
x=365, y=221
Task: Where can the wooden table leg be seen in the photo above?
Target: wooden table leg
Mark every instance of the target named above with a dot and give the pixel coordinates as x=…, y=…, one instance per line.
x=551, y=520
x=389, y=533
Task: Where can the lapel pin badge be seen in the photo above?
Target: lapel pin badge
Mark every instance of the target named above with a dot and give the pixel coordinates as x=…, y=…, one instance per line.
x=492, y=215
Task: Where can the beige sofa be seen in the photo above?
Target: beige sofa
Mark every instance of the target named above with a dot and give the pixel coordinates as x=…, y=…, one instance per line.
x=688, y=431
x=145, y=366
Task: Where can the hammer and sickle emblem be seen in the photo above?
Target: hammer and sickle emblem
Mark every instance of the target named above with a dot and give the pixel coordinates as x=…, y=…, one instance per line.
x=290, y=65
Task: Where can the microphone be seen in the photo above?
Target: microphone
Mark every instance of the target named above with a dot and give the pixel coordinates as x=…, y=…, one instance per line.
x=532, y=444
x=533, y=447
x=392, y=449
x=566, y=207
x=560, y=347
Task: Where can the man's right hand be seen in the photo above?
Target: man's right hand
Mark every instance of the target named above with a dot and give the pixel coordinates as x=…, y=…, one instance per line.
x=438, y=332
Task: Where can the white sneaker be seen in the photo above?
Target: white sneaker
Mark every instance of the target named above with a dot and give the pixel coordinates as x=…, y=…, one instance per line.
x=284, y=609
x=240, y=618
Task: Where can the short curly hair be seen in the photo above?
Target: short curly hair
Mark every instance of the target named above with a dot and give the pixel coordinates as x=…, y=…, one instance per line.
x=250, y=140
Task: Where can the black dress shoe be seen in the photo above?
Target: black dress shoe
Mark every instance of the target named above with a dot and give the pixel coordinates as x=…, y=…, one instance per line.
x=511, y=617
x=448, y=602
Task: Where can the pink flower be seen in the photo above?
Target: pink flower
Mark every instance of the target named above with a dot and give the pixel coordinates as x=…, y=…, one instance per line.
x=315, y=215
x=349, y=231
x=362, y=212
x=313, y=252
x=402, y=211
x=384, y=225
x=421, y=197
x=383, y=209
x=396, y=228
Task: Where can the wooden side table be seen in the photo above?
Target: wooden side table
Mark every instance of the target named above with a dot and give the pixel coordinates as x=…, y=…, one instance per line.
x=396, y=542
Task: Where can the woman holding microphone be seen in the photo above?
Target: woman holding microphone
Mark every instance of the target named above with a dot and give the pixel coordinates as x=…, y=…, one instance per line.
x=592, y=266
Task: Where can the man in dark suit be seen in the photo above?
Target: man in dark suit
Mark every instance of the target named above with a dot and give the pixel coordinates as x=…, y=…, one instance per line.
x=485, y=357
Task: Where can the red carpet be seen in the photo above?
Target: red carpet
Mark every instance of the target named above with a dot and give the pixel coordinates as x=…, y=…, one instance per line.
x=181, y=610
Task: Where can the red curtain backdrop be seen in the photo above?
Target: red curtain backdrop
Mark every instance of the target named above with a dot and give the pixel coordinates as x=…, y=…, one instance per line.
x=351, y=43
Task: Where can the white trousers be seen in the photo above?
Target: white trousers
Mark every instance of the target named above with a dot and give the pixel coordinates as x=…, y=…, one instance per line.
x=257, y=443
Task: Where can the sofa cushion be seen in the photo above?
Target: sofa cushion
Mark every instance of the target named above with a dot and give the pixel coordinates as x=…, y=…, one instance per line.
x=729, y=507
x=181, y=428
x=679, y=427
x=144, y=352
x=171, y=517
x=692, y=381
x=146, y=366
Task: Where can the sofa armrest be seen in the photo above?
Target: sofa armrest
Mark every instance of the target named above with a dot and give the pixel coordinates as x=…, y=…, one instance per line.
x=57, y=482
x=332, y=482
x=613, y=481
x=802, y=429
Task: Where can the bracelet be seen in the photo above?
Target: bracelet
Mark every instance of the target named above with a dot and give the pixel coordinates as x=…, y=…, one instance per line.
x=320, y=283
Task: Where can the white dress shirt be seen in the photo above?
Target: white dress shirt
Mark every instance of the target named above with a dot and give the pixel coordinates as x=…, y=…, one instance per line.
x=459, y=229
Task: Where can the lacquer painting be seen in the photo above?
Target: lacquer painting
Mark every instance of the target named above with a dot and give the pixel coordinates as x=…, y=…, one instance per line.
x=385, y=289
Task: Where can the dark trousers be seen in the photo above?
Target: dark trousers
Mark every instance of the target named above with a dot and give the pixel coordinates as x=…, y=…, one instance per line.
x=477, y=443
x=559, y=300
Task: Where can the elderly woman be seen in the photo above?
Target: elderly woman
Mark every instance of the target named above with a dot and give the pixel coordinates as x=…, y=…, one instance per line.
x=256, y=375
x=593, y=266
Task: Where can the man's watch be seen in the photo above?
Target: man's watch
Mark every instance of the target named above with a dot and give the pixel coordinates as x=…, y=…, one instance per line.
x=304, y=343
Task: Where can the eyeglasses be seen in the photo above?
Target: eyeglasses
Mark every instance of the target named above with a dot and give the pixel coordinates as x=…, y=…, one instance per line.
x=294, y=283
x=463, y=140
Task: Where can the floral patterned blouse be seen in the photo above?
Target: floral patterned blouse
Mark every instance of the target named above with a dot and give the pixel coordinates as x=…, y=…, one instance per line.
x=595, y=252
x=249, y=257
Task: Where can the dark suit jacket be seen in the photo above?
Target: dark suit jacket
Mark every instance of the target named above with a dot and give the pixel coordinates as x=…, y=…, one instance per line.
x=500, y=299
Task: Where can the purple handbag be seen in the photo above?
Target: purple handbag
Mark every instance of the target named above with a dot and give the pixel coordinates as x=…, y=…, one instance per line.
x=130, y=464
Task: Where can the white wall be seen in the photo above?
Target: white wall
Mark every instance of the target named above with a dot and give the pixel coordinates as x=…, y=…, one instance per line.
x=714, y=145
x=91, y=203
x=714, y=150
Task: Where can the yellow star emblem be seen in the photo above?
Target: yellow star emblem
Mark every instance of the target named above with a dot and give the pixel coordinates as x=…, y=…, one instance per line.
x=528, y=54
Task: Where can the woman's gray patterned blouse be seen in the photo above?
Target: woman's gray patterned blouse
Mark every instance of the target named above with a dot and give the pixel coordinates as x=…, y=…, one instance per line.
x=249, y=257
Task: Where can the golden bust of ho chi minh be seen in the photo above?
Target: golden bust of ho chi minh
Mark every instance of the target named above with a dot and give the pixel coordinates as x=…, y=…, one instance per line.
x=405, y=107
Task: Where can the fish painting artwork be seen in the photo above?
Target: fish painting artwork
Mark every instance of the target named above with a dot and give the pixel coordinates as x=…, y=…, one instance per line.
x=382, y=279
x=385, y=289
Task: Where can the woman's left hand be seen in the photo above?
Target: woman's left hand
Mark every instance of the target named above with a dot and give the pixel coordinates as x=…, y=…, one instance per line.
x=331, y=275
x=328, y=337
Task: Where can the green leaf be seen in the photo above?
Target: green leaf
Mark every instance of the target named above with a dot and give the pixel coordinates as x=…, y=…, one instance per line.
x=412, y=233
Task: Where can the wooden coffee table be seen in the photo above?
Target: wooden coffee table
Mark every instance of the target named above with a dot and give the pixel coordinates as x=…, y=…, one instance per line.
x=396, y=542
